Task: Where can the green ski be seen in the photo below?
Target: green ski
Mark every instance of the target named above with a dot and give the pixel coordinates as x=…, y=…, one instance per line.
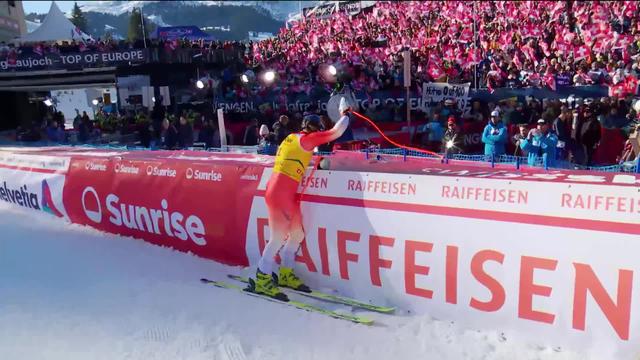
x=296, y=304
x=337, y=299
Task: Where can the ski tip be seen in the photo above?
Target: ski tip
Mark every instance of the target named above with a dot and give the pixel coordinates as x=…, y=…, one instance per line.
x=204, y=280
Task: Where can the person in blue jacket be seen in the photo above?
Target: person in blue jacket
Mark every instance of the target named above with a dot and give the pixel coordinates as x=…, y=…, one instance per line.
x=494, y=136
x=540, y=142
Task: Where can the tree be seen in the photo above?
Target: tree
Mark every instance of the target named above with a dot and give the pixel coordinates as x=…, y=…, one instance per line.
x=135, y=26
x=78, y=19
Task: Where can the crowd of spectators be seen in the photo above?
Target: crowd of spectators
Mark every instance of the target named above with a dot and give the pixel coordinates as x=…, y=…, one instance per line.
x=567, y=129
x=545, y=44
x=508, y=43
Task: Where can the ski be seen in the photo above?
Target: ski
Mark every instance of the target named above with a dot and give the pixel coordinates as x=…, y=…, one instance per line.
x=297, y=304
x=337, y=299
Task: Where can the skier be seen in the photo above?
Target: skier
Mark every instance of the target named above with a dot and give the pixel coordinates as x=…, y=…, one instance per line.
x=292, y=159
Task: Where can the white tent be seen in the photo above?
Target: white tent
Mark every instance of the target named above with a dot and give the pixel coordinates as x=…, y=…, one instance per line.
x=55, y=27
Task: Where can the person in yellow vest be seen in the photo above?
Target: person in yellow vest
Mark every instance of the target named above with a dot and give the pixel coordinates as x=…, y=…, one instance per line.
x=283, y=204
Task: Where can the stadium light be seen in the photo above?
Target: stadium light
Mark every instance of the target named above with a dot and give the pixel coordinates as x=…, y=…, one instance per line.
x=449, y=144
x=269, y=76
x=244, y=78
x=94, y=102
x=332, y=70
x=199, y=84
x=48, y=102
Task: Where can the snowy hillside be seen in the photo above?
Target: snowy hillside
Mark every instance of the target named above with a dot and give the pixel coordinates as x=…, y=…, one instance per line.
x=71, y=293
x=279, y=9
x=240, y=17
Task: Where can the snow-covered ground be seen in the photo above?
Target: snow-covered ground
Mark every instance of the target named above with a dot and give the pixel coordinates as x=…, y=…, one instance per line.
x=69, y=292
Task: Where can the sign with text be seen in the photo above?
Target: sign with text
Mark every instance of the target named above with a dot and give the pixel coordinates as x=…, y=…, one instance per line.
x=437, y=92
x=88, y=59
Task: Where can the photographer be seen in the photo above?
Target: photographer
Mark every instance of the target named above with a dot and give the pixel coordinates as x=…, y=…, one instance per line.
x=453, y=140
x=517, y=140
x=540, y=142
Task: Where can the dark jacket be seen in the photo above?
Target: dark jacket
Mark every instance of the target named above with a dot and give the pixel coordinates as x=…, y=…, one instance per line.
x=206, y=135
x=169, y=138
x=591, y=132
x=185, y=136
x=251, y=135
x=281, y=132
x=562, y=129
x=84, y=131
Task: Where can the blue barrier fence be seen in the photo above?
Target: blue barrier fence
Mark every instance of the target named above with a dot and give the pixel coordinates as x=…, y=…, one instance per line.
x=516, y=161
x=402, y=154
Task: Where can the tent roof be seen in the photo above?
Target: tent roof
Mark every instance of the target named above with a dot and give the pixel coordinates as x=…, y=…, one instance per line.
x=55, y=27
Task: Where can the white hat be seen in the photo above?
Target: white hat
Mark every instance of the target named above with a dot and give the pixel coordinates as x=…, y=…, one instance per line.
x=495, y=113
x=541, y=121
x=264, y=130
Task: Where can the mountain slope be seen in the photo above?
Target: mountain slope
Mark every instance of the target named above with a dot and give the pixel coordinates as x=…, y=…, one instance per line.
x=113, y=16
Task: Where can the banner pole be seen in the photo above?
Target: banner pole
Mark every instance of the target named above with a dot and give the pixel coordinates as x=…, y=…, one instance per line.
x=407, y=84
x=475, y=44
x=144, y=33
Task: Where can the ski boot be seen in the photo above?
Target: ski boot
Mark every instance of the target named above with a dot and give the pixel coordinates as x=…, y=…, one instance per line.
x=288, y=279
x=264, y=285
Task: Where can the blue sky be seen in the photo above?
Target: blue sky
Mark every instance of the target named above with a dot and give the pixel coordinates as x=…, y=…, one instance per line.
x=42, y=7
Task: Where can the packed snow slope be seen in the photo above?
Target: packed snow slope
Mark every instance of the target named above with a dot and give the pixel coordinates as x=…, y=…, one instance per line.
x=69, y=292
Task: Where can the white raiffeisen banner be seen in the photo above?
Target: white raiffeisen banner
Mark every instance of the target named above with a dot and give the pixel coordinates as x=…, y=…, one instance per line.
x=552, y=260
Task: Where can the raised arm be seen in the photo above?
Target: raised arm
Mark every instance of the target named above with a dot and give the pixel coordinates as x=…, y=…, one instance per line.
x=310, y=141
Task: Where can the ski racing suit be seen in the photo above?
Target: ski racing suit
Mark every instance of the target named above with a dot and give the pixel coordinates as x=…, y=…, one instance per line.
x=282, y=198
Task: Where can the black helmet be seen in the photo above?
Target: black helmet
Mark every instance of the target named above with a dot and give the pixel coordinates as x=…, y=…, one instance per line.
x=311, y=120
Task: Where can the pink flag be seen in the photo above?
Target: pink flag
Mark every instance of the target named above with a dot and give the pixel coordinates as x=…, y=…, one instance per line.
x=434, y=70
x=623, y=42
x=466, y=35
x=563, y=48
x=516, y=61
x=473, y=58
x=631, y=85
x=581, y=52
x=550, y=80
x=449, y=53
x=617, y=90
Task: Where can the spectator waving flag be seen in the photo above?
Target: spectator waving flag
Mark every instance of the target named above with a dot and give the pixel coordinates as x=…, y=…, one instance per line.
x=435, y=70
x=545, y=48
x=550, y=80
x=631, y=85
x=473, y=58
x=581, y=52
x=466, y=35
x=516, y=61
